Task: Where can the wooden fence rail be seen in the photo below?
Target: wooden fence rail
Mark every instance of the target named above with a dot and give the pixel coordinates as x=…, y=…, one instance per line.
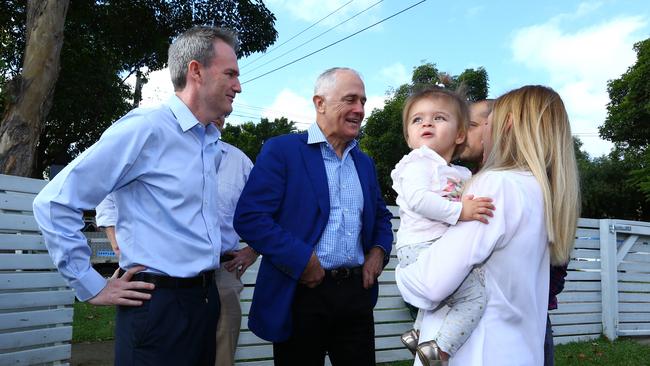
x=35, y=303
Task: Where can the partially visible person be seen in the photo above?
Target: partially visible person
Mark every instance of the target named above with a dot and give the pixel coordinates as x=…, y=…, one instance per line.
x=472, y=151
x=312, y=207
x=429, y=189
x=530, y=171
x=159, y=164
x=105, y=218
x=232, y=173
x=556, y=285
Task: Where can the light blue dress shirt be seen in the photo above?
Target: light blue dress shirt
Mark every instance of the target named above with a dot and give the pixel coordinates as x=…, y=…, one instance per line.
x=340, y=244
x=232, y=175
x=160, y=165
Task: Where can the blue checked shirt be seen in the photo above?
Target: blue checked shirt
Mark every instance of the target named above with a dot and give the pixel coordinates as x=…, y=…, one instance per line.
x=160, y=165
x=340, y=244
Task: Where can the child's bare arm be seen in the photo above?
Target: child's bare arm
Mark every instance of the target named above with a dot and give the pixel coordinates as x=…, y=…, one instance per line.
x=476, y=209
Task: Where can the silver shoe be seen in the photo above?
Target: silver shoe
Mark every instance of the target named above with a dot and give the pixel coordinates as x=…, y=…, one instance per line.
x=429, y=354
x=410, y=340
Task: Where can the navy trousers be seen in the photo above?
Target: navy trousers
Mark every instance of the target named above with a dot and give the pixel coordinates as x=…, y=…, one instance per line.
x=177, y=326
x=334, y=318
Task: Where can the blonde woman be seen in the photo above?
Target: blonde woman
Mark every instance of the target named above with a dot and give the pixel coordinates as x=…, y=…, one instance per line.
x=530, y=172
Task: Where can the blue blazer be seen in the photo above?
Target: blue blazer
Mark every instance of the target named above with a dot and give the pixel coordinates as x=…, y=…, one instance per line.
x=282, y=213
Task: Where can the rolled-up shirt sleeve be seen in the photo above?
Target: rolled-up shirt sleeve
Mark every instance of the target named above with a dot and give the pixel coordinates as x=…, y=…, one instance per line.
x=106, y=212
x=441, y=268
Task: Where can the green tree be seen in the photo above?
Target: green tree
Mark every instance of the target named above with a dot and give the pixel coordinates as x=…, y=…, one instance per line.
x=382, y=136
x=475, y=82
x=628, y=113
x=249, y=137
x=628, y=120
x=106, y=41
x=27, y=97
x=606, y=189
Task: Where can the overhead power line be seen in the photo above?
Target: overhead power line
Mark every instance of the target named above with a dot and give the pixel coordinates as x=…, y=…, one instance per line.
x=233, y=114
x=586, y=134
x=317, y=36
x=333, y=43
x=256, y=109
x=299, y=33
x=259, y=116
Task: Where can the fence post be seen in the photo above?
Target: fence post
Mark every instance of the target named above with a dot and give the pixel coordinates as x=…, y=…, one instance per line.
x=609, y=278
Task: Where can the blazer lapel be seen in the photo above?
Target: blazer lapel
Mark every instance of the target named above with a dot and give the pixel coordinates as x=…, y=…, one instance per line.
x=315, y=168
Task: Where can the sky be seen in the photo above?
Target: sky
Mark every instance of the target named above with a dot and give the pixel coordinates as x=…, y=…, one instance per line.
x=575, y=47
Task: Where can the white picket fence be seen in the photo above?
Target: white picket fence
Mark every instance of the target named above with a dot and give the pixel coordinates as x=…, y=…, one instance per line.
x=35, y=304
x=607, y=289
x=608, y=283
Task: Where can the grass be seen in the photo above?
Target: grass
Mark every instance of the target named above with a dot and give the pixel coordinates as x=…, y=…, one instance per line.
x=622, y=352
x=92, y=323
x=97, y=323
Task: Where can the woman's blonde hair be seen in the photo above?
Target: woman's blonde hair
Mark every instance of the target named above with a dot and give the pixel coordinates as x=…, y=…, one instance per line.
x=531, y=131
x=456, y=100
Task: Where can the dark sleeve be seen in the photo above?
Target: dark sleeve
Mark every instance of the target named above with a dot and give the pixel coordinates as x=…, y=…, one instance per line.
x=556, y=285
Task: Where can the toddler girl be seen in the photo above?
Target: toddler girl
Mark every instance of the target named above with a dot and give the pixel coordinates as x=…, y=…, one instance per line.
x=429, y=190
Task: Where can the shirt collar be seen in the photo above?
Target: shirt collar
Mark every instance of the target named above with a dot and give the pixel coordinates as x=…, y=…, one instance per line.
x=221, y=145
x=315, y=136
x=187, y=120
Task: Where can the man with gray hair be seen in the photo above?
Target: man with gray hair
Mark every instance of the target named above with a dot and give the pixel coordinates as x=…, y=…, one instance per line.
x=312, y=207
x=159, y=164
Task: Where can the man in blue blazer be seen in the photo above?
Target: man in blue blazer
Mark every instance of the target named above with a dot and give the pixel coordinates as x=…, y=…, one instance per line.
x=312, y=207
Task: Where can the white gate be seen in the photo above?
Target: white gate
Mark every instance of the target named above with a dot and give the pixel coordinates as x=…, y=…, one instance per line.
x=625, y=247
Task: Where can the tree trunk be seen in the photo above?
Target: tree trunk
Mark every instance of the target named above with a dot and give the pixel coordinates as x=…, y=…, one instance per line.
x=30, y=95
x=137, y=95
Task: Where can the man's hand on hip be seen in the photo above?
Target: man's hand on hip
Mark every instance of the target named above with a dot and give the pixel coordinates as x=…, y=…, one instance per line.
x=372, y=266
x=313, y=274
x=120, y=291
